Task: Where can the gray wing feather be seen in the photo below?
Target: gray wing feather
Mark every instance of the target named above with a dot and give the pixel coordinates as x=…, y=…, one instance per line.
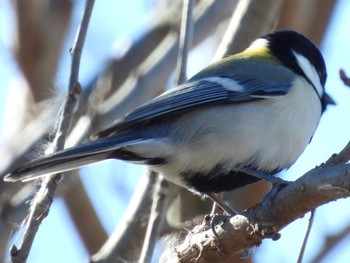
x=194, y=94
x=204, y=93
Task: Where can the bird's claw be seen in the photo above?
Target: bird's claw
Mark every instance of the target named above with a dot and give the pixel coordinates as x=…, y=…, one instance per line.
x=276, y=187
x=218, y=219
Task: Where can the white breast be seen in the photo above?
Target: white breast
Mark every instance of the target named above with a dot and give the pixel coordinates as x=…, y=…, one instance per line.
x=270, y=134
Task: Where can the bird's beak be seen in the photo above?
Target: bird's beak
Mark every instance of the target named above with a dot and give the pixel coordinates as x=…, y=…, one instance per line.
x=328, y=100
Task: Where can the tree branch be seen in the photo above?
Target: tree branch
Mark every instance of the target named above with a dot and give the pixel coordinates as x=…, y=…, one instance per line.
x=331, y=241
x=317, y=187
x=43, y=199
x=126, y=241
x=163, y=193
x=165, y=190
x=249, y=20
x=186, y=35
x=323, y=184
x=344, y=77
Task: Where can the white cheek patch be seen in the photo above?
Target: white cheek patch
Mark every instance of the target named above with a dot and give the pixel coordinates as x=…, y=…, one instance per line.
x=309, y=71
x=227, y=83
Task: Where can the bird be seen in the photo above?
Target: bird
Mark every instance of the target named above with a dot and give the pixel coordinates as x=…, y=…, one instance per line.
x=247, y=114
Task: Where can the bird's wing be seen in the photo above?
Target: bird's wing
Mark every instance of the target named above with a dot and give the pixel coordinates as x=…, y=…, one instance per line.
x=215, y=90
x=205, y=92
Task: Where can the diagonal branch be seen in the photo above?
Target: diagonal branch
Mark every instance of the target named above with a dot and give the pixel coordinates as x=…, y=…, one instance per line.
x=331, y=242
x=43, y=199
x=317, y=187
x=165, y=190
x=249, y=20
x=125, y=242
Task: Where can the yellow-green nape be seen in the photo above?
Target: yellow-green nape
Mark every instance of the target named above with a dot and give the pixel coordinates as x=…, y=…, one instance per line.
x=259, y=49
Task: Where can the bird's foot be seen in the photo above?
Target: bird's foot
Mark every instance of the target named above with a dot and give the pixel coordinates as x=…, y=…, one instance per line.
x=217, y=219
x=277, y=186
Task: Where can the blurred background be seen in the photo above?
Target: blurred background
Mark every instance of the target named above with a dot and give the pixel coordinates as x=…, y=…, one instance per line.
x=131, y=49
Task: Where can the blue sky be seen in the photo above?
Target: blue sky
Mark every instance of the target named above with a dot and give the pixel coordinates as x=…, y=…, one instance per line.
x=109, y=24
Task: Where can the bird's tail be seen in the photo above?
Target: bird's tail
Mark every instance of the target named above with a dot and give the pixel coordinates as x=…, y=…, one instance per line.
x=70, y=159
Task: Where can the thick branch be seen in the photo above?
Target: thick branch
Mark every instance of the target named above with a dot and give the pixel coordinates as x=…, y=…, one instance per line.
x=317, y=187
x=41, y=30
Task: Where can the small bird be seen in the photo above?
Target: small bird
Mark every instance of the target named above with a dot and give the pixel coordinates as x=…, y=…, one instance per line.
x=253, y=111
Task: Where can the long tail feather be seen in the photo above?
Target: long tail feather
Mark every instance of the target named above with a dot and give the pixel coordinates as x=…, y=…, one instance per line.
x=68, y=159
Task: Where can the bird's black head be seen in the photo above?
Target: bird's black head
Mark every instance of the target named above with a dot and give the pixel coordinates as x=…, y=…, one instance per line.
x=300, y=55
x=286, y=45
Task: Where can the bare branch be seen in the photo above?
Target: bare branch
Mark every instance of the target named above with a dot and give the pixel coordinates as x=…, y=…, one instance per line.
x=330, y=243
x=39, y=43
x=250, y=20
x=165, y=190
x=163, y=193
x=36, y=49
x=126, y=241
x=344, y=77
x=307, y=235
x=186, y=35
x=319, y=186
x=43, y=199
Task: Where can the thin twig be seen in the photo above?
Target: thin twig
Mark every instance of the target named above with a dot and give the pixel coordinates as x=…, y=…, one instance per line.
x=217, y=209
x=331, y=242
x=43, y=199
x=249, y=20
x=158, y=211
x=163, y=188
x=344, y=77
x=185, y=41
x=127, y=239
x=344, y=155
x=306, y=238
